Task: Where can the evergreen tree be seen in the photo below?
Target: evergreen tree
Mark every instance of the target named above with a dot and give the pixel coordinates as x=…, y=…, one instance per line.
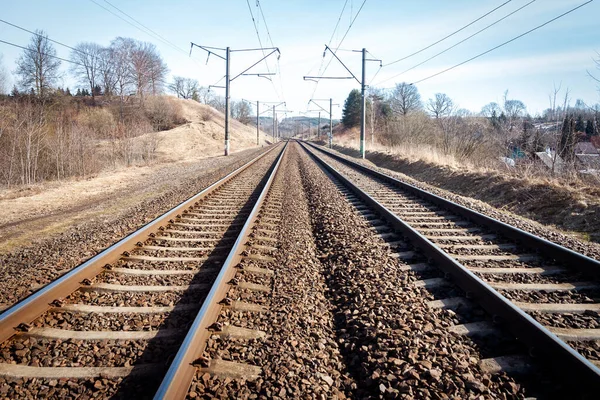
x=579, y=125
x=68, y=92
x=589, y=128
x=352, y=109
x=97, y=90
x=567, y=139
x=15, y=92
x=78, y=92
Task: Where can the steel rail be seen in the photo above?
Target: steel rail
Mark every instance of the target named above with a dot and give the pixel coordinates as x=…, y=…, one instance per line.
x=38, y=302
x=550, y=249
x=177, y=380
x=544, y=344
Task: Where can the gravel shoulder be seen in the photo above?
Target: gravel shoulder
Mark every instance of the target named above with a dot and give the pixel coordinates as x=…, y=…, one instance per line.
x=57, y=237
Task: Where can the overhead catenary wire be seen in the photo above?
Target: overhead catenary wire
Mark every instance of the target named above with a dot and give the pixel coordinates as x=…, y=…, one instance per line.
x=458, y=43
x=450, y=35
x=272, y=45
x=503, y=44
x=339, y=45
x=261, y=45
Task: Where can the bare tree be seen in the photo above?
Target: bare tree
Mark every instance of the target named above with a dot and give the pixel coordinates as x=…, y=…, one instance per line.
x=38, y=66
x=241, y=111
x=440, y=106
x=3, y=78
x=514, y=109
x=89, y=62
x=405, y=99
x=491, y=110
x=158, y=72
x=184, y=88
x=108, y=76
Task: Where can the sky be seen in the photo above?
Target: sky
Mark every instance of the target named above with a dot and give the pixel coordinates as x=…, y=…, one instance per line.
x=556, y=55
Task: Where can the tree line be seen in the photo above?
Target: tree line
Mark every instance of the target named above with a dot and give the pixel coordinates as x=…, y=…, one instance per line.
x=400, y=117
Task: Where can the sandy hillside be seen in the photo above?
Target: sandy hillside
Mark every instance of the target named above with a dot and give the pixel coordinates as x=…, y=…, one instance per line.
x=203, y=136
x=184, y=152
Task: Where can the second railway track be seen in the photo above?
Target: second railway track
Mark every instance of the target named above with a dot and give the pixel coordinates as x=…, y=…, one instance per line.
x=113, y=325
x=546, y=295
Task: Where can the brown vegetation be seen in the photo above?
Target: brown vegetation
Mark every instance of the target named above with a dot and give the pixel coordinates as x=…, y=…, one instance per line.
x=61, y=136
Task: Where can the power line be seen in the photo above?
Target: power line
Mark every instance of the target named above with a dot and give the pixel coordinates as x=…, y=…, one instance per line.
x=145, y=27
x=452, y=34
x=44, y=54
x=260, y=43
x=272, y=45
x=458, y=43
x=503, y=44
x=340, y=44
x=37, y=34
x=146, y=30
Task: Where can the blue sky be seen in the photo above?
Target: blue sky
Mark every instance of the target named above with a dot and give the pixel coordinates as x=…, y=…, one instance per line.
x=557, y=54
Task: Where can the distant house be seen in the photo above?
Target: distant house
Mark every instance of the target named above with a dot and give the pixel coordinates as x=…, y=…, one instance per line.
x=549, y=158
x=587, y=157
x=585, y=148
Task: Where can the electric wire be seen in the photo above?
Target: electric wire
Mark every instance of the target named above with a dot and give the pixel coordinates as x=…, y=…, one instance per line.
x=146, y=30
x=272, y=45
x=260, y=44
x=340, y=43
x=503, y=44
x=458, y=43
x=44, y=54
x=37, y=34
x=450, y=35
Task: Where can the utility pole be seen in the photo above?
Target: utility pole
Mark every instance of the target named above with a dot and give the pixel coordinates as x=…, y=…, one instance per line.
x=228, y=79
x=257, y=123
x=330, y=122
x=227, y=110
x=363, y=111
x=319, y=127
x=362, y=88
x=274, y=116
x=330, y=112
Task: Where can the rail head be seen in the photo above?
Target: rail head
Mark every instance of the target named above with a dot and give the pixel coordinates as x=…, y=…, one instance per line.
x=575, y=260
x=38, y=302
x=176, y=382
x=560, y=355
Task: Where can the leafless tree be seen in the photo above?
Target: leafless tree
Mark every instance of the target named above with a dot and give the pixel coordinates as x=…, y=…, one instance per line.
x=38, y=66
x=184, y=88
x=597, y=61
x=204, y=95
x=108, y=76
x=158, y=73
x=121, y=49
x=3, y=78
x=241, y=111
x=405, y=99
x=514, y=109
x=440, y=106
x=141, y=61
x=491, y=110
x=89, y=62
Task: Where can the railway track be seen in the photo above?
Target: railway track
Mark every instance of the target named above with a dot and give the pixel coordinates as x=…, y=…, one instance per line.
x=142, y=310
x=547, y=296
